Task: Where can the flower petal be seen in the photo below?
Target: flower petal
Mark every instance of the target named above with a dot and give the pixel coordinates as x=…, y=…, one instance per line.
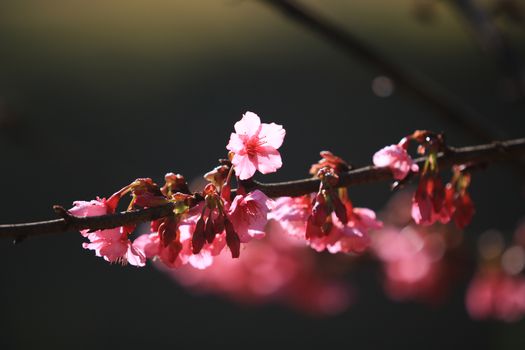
x=397, y=159
x=135, y=257
x=236, y=144
x=269, y=160
x=244, y=166
x=149, y=244
x=248, y=125
x=272, y=134
x=91, y=208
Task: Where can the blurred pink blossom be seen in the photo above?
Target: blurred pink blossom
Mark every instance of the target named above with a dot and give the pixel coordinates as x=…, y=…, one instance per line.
x=519, y=235
x=350, y=238
x=493, y=294
x=413, y=264
x=274, y=269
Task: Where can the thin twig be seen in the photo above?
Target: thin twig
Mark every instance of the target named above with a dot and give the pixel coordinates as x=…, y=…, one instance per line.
x=486, y=153
x=449, y=107
x=493, y=41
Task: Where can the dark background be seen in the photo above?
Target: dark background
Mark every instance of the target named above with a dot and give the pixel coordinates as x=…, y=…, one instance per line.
x=97, y=93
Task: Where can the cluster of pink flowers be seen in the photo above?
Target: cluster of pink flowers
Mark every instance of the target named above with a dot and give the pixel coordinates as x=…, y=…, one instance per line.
x=206, y=229
x=432, y=201
x=111, y=244
x=202, y=224
x=326, y=220
x=291, y=217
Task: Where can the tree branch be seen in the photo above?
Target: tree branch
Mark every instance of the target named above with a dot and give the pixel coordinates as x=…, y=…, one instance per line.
x=486, y=153
x=448, y=107
x=493, y=41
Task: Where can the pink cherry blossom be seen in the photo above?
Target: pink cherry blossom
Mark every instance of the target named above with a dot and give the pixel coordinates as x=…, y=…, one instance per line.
x=205, y=257
x=397, y=159
x=238, y=221
x=290, y=215
x=175, y=254
x=114, y=246
x=170, y=255
x=111, y=244
x=350, y=238
x=255, y=146
x=248, y=214
x=96, y=207
x=179, y=253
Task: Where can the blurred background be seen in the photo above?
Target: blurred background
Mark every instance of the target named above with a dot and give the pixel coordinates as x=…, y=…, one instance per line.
x=94, y=94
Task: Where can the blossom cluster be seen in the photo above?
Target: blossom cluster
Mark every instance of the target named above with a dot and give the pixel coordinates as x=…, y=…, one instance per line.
x=432, y=201
x=278, y=237
x=418, y=263
x=203, y=223
x=274, y=269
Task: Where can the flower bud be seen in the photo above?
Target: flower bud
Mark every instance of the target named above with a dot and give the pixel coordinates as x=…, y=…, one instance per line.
x=339, y=208
x=312, y=230
x=232, y=239
x=198, y=239
x=320, y=210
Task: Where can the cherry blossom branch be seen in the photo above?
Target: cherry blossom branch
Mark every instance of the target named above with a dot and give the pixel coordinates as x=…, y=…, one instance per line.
x=484, y=154
x=449, y=107
x=93, y=223
x=487, y=153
